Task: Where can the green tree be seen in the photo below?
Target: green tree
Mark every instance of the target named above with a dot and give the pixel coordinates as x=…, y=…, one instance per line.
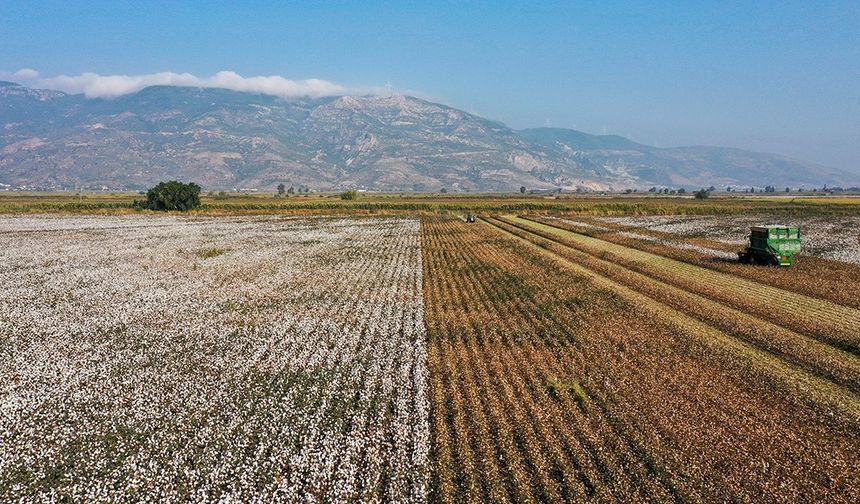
x=701, y=194
x=349, y=195
x=171, y=195
x=522, y=189
x=281, y=189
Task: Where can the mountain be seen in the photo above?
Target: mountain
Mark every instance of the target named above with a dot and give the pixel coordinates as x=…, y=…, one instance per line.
x=226, y=139
x=697, y=166
x=577, y=140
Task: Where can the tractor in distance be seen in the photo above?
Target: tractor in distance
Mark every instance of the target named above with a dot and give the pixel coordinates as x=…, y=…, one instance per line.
x=470, y=217
x=771, y=245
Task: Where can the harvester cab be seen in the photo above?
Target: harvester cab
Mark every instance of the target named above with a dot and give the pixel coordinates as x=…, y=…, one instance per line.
x=771, y=245
x=470, y=217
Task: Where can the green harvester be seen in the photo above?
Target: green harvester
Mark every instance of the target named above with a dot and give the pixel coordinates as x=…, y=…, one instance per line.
x=771, y=245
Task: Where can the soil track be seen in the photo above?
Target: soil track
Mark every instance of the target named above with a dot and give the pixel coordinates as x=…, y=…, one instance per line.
x=799, y=350
x=829, y=322
x=813, y=276
x=808, y=368
x=551, y=381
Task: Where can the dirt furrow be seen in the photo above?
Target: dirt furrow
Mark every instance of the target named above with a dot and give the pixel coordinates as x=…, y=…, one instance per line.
x=791, y=377
x=836, y=324
x=828, y=362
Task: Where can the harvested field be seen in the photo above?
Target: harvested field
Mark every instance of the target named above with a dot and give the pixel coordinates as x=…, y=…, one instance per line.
x=824, y=360
x=833, y=323
x=551, y=381
x=394, y=359
x=833, y=238
x=835, y=281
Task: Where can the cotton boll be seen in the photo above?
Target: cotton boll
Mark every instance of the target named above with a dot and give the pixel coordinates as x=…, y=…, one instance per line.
x=234, y=381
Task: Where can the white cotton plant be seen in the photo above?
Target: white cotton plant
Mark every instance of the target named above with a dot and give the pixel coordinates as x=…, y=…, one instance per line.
x=290, y=366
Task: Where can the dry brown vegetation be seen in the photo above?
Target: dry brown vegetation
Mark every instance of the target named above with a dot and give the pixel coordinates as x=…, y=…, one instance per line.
x=824, y=360
x=813, y=276
x=836, y=324
x=555, y=379
x=426, y=204
x=563, y=363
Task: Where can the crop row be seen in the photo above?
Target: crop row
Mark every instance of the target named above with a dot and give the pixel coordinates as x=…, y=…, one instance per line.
x=549, y=383
x=490, y=387
x=835, y=324
x=207, y=360
x=810, y=275
x=777, y=343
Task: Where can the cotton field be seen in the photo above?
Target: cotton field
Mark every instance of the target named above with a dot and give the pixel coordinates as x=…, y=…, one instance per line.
x=566, y=367
x=243, y=359
x=518, y=358
x=835, y=238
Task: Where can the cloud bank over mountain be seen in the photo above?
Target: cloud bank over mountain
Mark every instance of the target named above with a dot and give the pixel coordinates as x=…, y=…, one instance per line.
x=94, y=85
x=225, y=139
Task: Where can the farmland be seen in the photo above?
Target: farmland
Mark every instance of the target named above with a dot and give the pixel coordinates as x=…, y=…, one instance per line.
x=591, y=349
x=412, y=204
x=210, y=359
x=573, y=377
x=828, y=238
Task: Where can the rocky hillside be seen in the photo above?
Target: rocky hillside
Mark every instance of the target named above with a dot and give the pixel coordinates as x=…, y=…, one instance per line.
x=697, y=166
x=225, y=139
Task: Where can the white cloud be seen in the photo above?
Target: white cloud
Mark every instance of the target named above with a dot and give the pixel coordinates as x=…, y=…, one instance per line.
x=109, y=86
x=26, y=74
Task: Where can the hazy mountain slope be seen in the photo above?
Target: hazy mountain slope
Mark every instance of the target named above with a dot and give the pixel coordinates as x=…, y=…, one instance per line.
x=549, y=137
x=219, y=138
x=225, y=139
x=683, y=166
x=399, y=142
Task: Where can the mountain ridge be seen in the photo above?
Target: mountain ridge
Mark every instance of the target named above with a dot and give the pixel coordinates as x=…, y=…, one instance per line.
x=227, y=139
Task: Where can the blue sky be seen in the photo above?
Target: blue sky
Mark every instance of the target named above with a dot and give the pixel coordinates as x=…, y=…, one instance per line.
x=772, y=76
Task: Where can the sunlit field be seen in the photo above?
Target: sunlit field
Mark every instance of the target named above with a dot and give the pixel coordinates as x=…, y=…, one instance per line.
x=181, y=359
x=555, y=350
x=431, y=204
